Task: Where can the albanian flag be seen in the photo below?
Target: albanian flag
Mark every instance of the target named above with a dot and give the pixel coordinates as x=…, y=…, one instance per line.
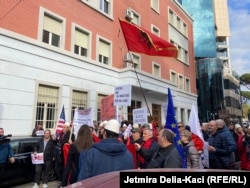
x=142, y=41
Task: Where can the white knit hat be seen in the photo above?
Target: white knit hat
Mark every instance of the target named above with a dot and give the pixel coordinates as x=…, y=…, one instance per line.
x=237, y=126
x=113, y=125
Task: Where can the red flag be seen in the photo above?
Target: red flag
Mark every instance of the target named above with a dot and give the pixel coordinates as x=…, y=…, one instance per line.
x=60, y=123
x=142, y=41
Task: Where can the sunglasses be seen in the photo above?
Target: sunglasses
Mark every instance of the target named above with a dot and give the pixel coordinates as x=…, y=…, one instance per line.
x=180, y=126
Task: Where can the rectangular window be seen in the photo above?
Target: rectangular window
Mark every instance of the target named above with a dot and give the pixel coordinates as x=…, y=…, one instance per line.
x=157, y=70
x=100, y=97
x=47, y=106
x=136, y=19
x=156, y=31
x=79, y=100
x=104, y=6
x=181, y=82
x=52, y=31
x=104, y=52
x=156, y=113
x=182, y=115
x=155, y=5
x=187, y=84
x=81, y=43
x=173, y=77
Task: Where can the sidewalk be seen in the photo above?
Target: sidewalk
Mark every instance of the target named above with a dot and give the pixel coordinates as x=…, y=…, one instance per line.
x=52, y=184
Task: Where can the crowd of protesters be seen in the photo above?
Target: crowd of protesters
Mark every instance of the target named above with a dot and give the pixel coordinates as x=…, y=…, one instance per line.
x=114, y=146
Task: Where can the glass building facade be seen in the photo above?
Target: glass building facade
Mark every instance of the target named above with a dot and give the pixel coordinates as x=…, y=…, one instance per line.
x=210, y=88
x=204, y=27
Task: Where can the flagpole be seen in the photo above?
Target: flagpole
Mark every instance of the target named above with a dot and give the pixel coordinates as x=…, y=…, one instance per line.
x=131, y=57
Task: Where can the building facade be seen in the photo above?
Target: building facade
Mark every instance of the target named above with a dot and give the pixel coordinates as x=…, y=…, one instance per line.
x=73, y=54
x=211, y=38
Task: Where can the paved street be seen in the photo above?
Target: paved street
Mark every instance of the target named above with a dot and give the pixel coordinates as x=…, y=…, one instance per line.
x=52, y=184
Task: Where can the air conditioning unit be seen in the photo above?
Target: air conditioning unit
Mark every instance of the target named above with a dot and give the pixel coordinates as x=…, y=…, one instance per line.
x=129, y=14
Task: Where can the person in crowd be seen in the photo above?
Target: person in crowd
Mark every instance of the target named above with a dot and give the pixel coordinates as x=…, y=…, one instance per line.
x=204, y=130
x=83, y=142
x=149, y=146
x=231, y=128
x=101, y=129
x=166, y=155
x=240, y=133
x=219, y=149
x=6, y=152
x=224, y=130
x=95, y=126
x=245, y=160
x=46, y=146
x=87, y=142
x=94, y=134
x=198, y=142
x=135, y=138
x=38, y=130
x=67, y=137
x=245, y=128
x=191, y=153
x=122, y=136
x=107, y=155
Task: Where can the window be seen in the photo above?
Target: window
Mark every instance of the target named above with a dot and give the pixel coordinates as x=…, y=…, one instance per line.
x=52, y=30
x=79, y=100
x=134, y=105
x=177, y=22
x=136, y=19
x=156, y=70
x=47, y=106
x=104, y=6
x=180, y=82
x=81, y=43
x=155, y=31
x=155, y=5
x=104, y=52
x=135, y=62
x=173, y=77
x=171, y=17
x=156, y=113
x=182, y=115
x=187, y=84
x=100, y=97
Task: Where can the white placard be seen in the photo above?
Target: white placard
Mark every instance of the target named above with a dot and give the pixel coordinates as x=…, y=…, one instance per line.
x=140, y=115
x=122, y=95
x=40, y=133
x=37, y=158
x=82, y=117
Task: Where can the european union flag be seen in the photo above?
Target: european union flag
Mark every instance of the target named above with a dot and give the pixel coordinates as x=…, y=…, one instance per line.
x=171, y=124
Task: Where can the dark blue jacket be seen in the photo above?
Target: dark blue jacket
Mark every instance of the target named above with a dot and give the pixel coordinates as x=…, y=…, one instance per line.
x=106, y=156
x=5, y=152
x=221, y=158
x=231, y=141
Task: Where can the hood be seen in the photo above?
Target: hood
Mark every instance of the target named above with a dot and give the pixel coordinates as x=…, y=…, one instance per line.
x=110, y=146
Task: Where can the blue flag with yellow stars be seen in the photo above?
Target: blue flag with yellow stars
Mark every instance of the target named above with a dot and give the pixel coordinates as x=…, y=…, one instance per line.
x=171, y=124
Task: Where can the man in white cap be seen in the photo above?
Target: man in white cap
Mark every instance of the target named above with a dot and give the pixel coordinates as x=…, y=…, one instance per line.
x=107, y=155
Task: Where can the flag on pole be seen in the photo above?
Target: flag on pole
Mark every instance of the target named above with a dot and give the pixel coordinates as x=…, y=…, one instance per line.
x=60, y=123
x=171, y=124
x=142, y=41
x=194, y=123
